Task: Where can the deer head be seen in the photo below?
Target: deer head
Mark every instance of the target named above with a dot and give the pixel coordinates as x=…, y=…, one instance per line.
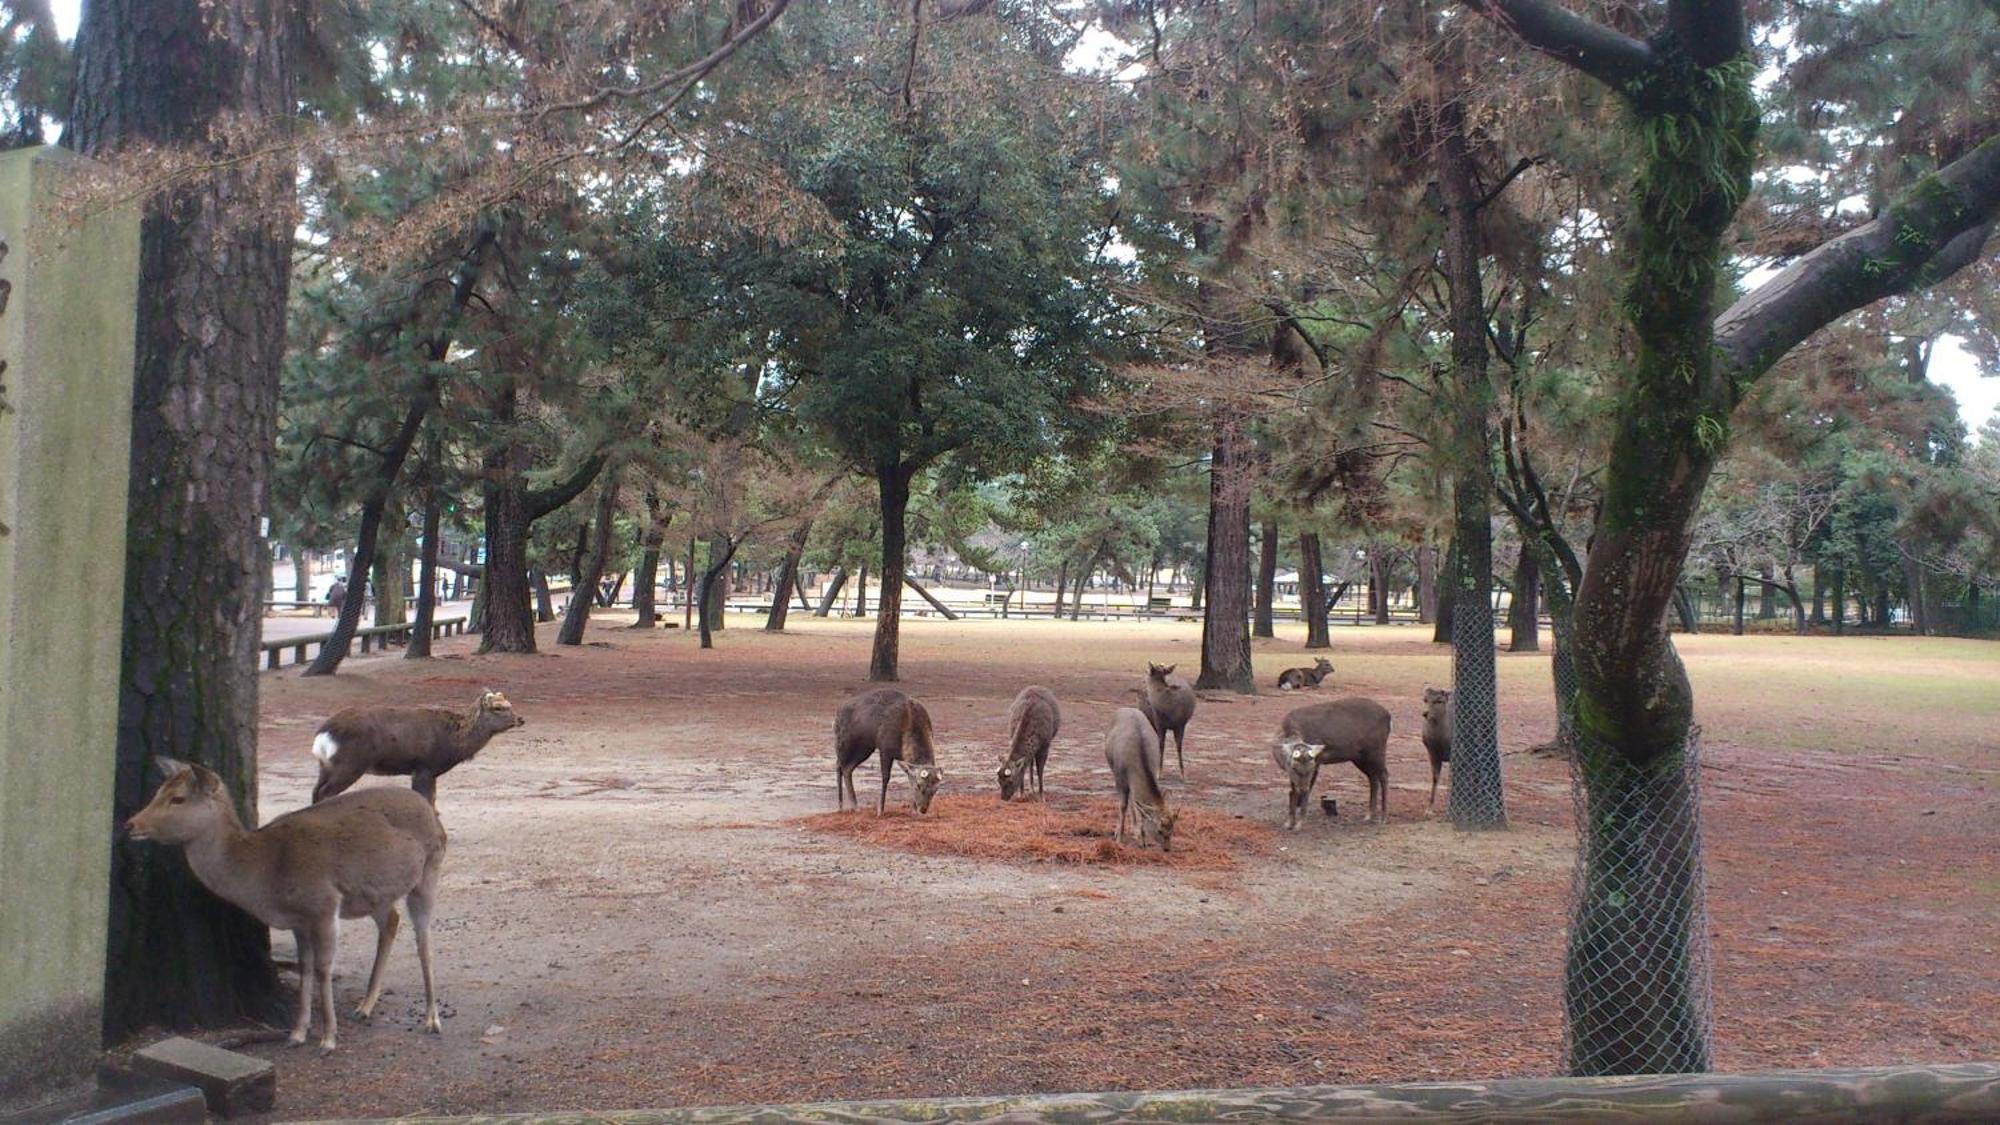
x=1160, y=672
x=1323, y=666
x=187, y=806
x=1011, y=781
x=495, y=714
x=924, y=781
x=1435, y=702
x=1156, y=826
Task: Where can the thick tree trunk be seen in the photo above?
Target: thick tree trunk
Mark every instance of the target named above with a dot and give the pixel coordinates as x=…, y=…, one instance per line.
x=583, y=594
x=1378, y=583
x=713, y=583
x=1819, y=598
x=392, y=563
x=893, y=482
x=1742, y=595
x=1524, y=614
x=1062, y=589
x=1476, y=793
x=301, y=572
x=214, y=262
x=1076, y=591
x=1225, y=621
x=1427, y=592
x=1312, y=591
x=538, y=581
x=1447, y=595
x=420, y=630
x=1767, y=596
x=646, y=580
x=1267, y=579
x=861, y=592
x=511, y=511
x=832, y=595
x=788, y=577
x=1684, y=607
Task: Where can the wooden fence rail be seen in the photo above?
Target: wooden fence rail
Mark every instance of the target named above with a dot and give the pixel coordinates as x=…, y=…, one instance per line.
x=371, y=635
x=1962, y=1092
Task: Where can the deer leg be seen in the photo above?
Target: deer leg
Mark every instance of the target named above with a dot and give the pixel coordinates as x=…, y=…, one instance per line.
x=1436, y=768
x=386, y=924
x=326, y=939
x=303, y=1024
x=882, y=802
x=426, y=783
x=1180, y=747
x=1124, y=804
x=420, y=900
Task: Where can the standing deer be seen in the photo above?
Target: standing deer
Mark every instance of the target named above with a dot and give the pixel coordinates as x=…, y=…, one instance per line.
x=887, y=722
x=1032, y=723
x=353, y=856
x=1292, y=679
x=1170, y=703
x=1343, y=730
x=422, y=742
x=1439, y=714
x=1128, y=750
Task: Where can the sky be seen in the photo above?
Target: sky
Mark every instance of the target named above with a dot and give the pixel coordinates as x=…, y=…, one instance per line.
x=1951, y=367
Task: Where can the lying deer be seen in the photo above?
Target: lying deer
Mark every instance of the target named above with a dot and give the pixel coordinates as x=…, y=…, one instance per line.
x=1170, y=704
x=887, y=722
x=1292, y=679
x=422, y=742
x=1032, y=723
x=1344, y=730
x=1128, y=750
x=353, y=856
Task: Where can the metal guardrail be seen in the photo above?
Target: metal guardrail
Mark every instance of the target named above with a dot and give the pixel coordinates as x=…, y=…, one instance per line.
x=274, y=649
x=1962, y=1092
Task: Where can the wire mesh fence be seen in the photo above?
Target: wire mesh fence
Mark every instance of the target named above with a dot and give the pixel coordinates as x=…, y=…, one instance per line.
x=1477, y=796
x=1636, y=988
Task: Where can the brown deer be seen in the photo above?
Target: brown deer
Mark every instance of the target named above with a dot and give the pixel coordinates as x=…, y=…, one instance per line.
x=887, y=722
x=1439, y=714
x=1293, y=679
x=1032, y=723
x=1170, y=704
x=353, y=856
x=1343, y=730
x=1128, y=750
x=422, y=742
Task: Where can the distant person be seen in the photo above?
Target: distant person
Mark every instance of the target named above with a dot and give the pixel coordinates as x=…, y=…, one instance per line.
x=337, y=595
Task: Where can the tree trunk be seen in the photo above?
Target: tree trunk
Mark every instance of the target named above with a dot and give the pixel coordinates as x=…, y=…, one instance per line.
x=1524, y=614
x=1447, y=595
x=583, y=594
x=1199, y=588
x=944, y=610
x=788, y=577
x=1741, y=596
x=538, y=583
x=1427, y=591
x=214, y=263
x=1378, y=583
x=1225, y=621
x=1839, y=602
x=861, y=594
x=1267, y=579
x=1767, y=597
x=1312, y=591
x=301, y=572
x=832, y=594
x=1819, y=598
x=894, y=484
x=1684, y=606
x=1062, y=589
x=1913, y=592
x=1476, y=795
x=392, y=564
x=646, y=580
x=1076, y=591
x=710, y=592
x=374, y=506
x=420, y=630
x=511, y=511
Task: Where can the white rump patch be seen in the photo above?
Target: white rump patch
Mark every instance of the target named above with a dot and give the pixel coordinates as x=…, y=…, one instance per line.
x=324, y=747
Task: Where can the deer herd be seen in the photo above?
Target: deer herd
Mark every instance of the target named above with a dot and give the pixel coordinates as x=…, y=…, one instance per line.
x=361, y=854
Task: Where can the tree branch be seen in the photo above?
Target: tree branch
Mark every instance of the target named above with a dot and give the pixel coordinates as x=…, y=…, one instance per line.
x=543, y=501
x=1935, y=228
x=1712, y=31
x=1609, y=56
x=1519, y=167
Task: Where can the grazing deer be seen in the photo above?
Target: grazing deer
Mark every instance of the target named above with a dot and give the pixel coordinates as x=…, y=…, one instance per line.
x=887, y=722
x=1292, y=679
x=354, y=856
x=1439, y=715
x=1344, y=730
x=1299, y=761
x=1128, y=750
x=423, y=742
x=1170, y=704
x=1032, y=723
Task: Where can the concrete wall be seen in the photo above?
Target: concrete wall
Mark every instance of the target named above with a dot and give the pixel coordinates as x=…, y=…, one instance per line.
x=66, y=335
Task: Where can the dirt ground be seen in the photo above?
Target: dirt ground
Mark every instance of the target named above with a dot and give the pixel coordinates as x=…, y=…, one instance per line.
x=645, y=906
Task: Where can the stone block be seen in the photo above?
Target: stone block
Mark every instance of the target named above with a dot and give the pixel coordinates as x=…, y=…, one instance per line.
x=233, y=1083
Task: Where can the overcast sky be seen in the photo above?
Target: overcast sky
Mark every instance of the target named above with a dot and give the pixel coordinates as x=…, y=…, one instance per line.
x=1978, y=397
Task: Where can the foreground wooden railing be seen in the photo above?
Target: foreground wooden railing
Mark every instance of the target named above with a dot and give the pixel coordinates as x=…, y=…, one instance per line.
x=1964, y=1092
x=367, y=637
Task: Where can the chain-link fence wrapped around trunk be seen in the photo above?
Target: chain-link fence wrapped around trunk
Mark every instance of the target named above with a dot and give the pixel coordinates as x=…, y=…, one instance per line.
x=1636, y=982
x=1477, y=796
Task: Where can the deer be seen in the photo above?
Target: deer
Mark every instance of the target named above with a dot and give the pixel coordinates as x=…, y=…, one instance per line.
x=422, y=742
x=1032, y=722
x=1292, y=679
x=889, y=723
x=1439, y=715
x=352, y=856
x=1128, y=750
x=1352, y=729
x=1170, y=704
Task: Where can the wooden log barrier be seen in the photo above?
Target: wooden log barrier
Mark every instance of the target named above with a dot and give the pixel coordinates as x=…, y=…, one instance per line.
x=1933, y=1095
